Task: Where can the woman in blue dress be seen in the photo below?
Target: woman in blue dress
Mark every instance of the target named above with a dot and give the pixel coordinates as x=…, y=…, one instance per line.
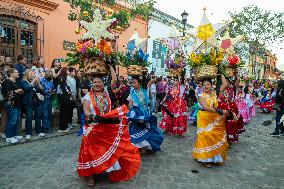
x=143, y=129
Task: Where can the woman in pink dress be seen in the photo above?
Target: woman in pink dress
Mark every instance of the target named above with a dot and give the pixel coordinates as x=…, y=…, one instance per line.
x=242, y=106
x=249, y=99
x=174, y=116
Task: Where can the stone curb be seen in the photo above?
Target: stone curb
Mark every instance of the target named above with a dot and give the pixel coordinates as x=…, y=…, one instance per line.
x=38, y=139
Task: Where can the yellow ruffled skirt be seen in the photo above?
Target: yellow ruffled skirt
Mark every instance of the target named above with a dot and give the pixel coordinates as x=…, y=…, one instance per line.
x=211, y=141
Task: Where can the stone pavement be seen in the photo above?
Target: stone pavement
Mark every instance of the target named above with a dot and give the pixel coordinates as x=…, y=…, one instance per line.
x=256, y=161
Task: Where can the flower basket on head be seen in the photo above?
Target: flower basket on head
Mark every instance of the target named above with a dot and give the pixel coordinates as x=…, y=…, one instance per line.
x=175, y=72
x=136, y=62
x=96, y=66
x=206, y=71
x=93, y=52
x=175, y=65
x=231, y=65
x=205, y=64
x=134, y=70
x=95, y=60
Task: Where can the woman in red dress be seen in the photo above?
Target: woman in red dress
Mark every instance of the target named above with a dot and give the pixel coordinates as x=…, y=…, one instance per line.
x=106, y=145
x=174, y=119
x=226, y=101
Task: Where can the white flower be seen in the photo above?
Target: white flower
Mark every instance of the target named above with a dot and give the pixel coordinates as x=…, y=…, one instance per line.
x=97, y=29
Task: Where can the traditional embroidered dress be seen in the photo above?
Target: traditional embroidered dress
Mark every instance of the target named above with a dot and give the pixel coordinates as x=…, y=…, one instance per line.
x=211, y=141
x=107, y=147
x=250, y=103
x=266, y=104
x=143, y=128
x=242, y=106
x=226, y=102
x=176, y=104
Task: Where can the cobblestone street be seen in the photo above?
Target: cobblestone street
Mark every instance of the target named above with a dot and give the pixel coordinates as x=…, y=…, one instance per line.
x=256, y=161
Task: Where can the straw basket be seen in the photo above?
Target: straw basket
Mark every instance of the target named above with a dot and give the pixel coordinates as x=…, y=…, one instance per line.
x=135, y=70
x=175, y=72
x=96, y=66
x=206, y=71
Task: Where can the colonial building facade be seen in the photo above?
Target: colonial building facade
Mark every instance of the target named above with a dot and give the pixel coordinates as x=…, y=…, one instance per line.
x=269, y=68
x=159, y=27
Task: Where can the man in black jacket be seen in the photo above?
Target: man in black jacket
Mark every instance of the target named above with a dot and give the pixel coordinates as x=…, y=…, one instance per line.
x=279, y=100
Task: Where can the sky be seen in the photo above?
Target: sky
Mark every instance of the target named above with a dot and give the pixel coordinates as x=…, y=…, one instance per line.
x=217, y=11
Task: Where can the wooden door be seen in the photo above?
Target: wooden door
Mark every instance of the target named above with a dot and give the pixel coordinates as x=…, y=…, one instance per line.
x=17, y=37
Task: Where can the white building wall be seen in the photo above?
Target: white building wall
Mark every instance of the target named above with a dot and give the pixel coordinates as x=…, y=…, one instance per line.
x=157, y=30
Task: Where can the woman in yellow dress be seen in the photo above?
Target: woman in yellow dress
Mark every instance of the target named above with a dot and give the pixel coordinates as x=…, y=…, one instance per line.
x=211, y=141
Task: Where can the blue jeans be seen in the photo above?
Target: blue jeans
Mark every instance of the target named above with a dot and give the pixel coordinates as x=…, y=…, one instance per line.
x=13, y=119
x=46, y=113
x=37, y=110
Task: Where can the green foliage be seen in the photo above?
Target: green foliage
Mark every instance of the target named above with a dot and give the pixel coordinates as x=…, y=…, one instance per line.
x=144, y=10
x=261, y=28
x=123, y=16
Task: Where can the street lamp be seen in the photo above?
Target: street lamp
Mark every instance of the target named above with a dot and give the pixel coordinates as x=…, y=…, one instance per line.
x=184, y=16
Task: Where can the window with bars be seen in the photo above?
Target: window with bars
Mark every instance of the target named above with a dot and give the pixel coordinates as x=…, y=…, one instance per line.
x=17, y=37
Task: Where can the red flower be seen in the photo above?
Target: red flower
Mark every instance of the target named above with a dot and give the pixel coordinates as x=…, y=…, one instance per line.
x=233, y=60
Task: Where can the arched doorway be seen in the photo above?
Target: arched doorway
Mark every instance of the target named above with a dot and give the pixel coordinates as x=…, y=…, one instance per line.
x=17, y=36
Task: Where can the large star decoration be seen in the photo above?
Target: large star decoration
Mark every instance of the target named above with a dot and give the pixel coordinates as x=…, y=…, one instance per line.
x=97, y=29
x=175, y=42
x=205, y=35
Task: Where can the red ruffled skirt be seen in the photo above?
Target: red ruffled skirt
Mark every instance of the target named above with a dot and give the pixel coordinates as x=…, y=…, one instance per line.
x=267, y=106
x=233, y=128
x=104, y=144
x=178, y=123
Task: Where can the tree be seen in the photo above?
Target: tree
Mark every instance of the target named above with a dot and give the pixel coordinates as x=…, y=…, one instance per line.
x=261, y=29
x=83, y=10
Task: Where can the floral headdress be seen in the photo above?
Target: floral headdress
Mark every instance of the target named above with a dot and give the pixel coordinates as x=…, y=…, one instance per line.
x=136, y=57
x=174, y=63
x=213, y=57
x=93, y=44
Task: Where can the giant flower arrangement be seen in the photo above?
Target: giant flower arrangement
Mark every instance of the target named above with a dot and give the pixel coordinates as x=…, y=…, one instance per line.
x=85, y=51
x=135, y=62
x=92, y=51
x=175, y=65
x=137, y=57
x=213, y=57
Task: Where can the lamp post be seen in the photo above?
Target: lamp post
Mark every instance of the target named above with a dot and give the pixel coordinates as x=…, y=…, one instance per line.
x=184, y=16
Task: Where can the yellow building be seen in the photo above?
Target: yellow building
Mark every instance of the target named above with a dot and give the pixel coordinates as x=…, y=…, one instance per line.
x=255, y=67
